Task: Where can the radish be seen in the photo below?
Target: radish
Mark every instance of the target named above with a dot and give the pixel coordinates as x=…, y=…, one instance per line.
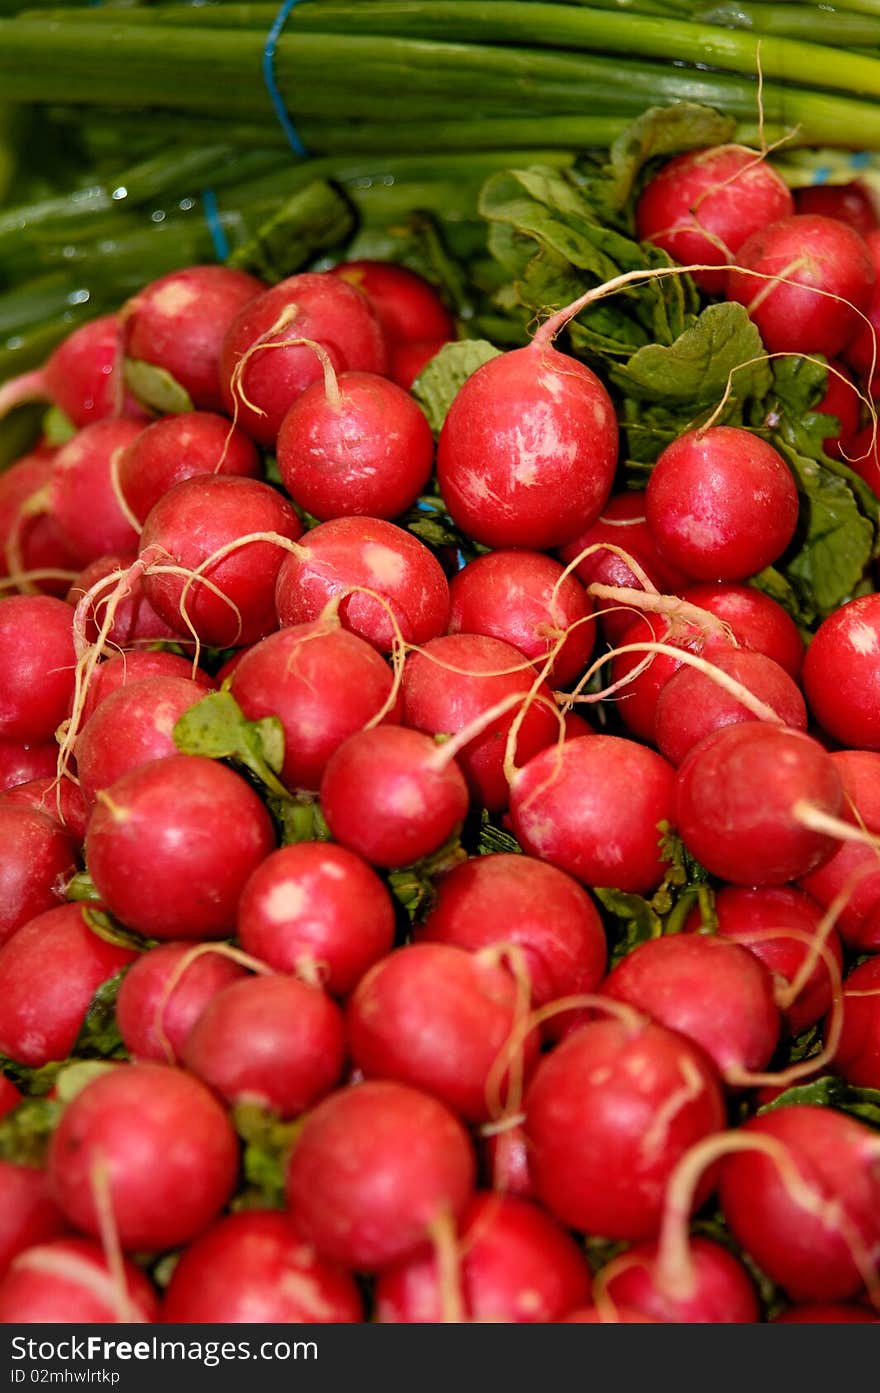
x=407, y=307
x=146, y=1148
x=407, y=358
x=21, y=763
x=71, y=1281
x=82, y=374
x=178, y=447
x=50, y=971
x=438, y=1018
x=826, y=1313
x=861, y=351
x=356, y=444
x=841, y=399
x=753, y=803
x=272, y=1041
x=27, y=1215
x=523, y=598
x=857, y=1057
x=319, y=911
x=392, y=795
x=386, y=585
x=59, y=799
x=515, y=1265
x=37, y=860
x=723, y=1294
x=702, y=205
x=505, y=1157
x=254, y=1268
x=376, y=1171
x=609, y=1112
x=851, y=203
x=171, y=845
x=756, y=621
x=132, y=726
x=135, y=666
x=863, y=456
x=30, y=539
x=842, y=673
x=638, y=676
x=593, y=807
x=852, y=875
x=36, y=666
x=178, y=322
x=322, y=683
x=83, y=499
x=812, y=277
x=721, y=503
x=133, y=618
x=204, y=515
x=163, y=994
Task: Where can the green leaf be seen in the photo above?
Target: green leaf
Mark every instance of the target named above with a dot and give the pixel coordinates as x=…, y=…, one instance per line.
x=494, y=840
x=268, y=1143
x=156, y=388
x=218, y=728
x=440, y=379
x=415, y=886
x=77, y=1074
x=111, y=931
x=663, y=130
x=632, y=921
x=99, y=1034
x=315, y=219
x=31, y=1080
x=694, y=370
x=300, y=819
x=57, y=428
x=82, y=887
x=829, y=1091
x=26, y=1130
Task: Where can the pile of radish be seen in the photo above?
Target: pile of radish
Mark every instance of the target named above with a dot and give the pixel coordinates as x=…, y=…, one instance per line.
x=316, y=839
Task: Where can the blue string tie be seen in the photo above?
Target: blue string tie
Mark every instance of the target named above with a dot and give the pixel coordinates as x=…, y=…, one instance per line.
x=289, y=129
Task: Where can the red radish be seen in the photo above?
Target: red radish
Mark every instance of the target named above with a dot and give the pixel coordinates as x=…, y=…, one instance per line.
x=170, y=846
x=826, y=1313
x=456, y=681
x=405, y=304
x=36, y=666
x=756, y=621
x=713, y=991
x=82, y=497
x=263, y=371
x=83, y=373
x=814, y=276
x=376, y=1169
x=639, y=676
x=134, y=619
x=59, y=800
x=273, y=1041
x=254, y=1268
x=345, y=558
x=852, y=874
x=322, y=683
x=516, y=1265
x=438, y=1018
x=842, y=673
x=851, y=203
x=9, y=1095
x=132, y=726
x=527, y=453
x=724, y=1293
x=864, y=457
x=692, y=704
x=407, y=358
x=721, y=503
x=813, y=1226
x=154, y=1145
x=857, y=1057
x=30, y=539
x=178, y=321
x=702, y=205
x=841, y=399
x=747, y=800
x=136, y=666
x=489, y=900
x=164, y=993
x=862, y=351
x=355, y=445
x=319, y=911
x=575, y=725
x=70, y=1281
x=37, y=860
x=505, y=1156
x=609, y=1112
x=392, y=795
x=178, y=447
x=19, y=763
x=50, y=971
x=27, y=1215
x=197, y=518
x=593, y=807
x=517, y=596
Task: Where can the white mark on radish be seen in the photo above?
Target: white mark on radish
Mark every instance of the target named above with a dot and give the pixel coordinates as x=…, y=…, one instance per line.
x=331, y=870
x=863, y=638
x=385, y=566
x=305, y=1292
x=600, y=415
x=552, y=384
x=284, y=901
x=600, y=1076
x=529, y=1302
x=174, y=300
x=408, y=801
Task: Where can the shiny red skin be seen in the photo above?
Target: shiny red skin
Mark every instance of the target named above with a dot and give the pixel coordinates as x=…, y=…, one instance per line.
x=62, y=802
x=805, y=1254
x=365, y=554
x=505, y=1161
x=153, y=1021
x=369, y=453
x=135, y=666
x=857, y=1057
x=134, y=619
x=195, y=519
x=171, y=845
x=178, y=322
x=702, y=205
x=853, y=867
x=792, y=318
x=37, y=663
x=255, y=1268
x=850, y=203
x=724, y=1293
x=50, y=971
x=863, y=349
x=600, y=1158
x=842, y=673
x=374, y=1166
x=132, y=726
x=437, y=1017
x=734, y=796
x=528, y=450
x=37, y=859
x=509, y=595
x=9, y=1096
x=176, y=448
x=593, y=807
x=864, y=457
x=67, y=1281
x=455, y=680
x=81, y=495
x=826, y=1313
x=317, y=909
x=406, y=305
x=757, y=622
x=168, y=1148
x=82, y=373
x=517, y=1266
x=273, y=1041
x=39, y=538
x=27, y=1215
x=636, y=700
x=407, y=358
x=713, y=991
x=21, y=764
x=841, y=399
x=385, y=798
x=322, y=683
x=323, y=309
